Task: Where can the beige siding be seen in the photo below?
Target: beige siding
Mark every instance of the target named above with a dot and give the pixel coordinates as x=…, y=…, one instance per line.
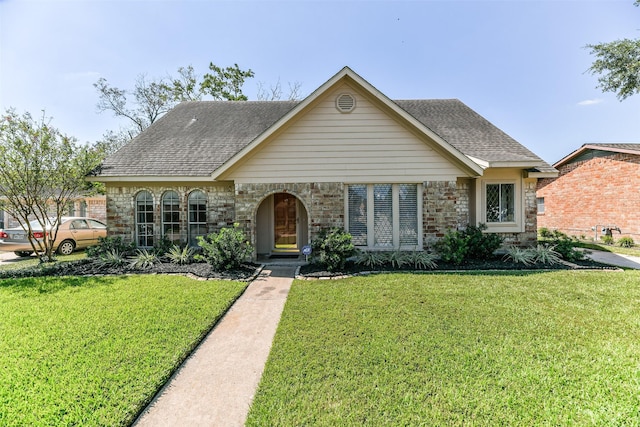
x=325, y=145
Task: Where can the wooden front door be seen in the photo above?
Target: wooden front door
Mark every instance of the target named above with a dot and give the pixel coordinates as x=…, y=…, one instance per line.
x=285, y=216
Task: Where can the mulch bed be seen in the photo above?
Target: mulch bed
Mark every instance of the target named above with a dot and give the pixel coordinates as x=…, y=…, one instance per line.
x=494, y=264
x=90, y=267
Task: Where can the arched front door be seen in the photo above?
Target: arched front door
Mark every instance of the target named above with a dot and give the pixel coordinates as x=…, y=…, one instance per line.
x=281, y=225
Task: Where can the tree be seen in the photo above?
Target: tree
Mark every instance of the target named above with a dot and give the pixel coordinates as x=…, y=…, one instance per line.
x=274, y=92
x=617, y=64
x=153, y=98
x=43, y=171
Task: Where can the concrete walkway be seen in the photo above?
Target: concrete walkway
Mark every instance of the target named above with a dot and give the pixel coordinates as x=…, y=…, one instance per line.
x=216, y=384
x=611, y=258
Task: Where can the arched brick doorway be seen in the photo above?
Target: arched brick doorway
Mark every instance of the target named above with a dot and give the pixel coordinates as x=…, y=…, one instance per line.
x=281, y=225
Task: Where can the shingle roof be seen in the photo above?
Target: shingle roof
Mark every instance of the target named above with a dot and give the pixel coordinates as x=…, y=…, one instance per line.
x=195, y=138
x=631, y=148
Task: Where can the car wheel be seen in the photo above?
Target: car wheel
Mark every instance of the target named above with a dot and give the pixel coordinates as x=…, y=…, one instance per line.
x=23, y=253
x=66, y=247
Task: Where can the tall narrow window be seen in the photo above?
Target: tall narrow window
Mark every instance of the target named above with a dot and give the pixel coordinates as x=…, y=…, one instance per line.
x=540, y=203
x=144, y=219
x=71, y=209
x=357, y=200
x=171, y=216
x=197, y=216
x=408, y=206
x=1, y=219
x=83, y=208
x=500, y=202
x=383, y=215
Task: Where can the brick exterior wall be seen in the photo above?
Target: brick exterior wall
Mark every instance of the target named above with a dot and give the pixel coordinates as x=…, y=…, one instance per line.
x=446, y=205
x=323, y=201
x=93, y=207
x=121, y=208
x=599, y=192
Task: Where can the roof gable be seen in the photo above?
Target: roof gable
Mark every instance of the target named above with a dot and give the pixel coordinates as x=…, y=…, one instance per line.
x=348, y=76
x=628, y=148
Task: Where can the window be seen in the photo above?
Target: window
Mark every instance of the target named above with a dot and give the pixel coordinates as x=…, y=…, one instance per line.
x=71, y=209
x=1, y=219
x=384, y=216
x=500, y=203
x=540, y=203
x=171, y=216
x=197, y=216
x=144, y=219
x=83, y=208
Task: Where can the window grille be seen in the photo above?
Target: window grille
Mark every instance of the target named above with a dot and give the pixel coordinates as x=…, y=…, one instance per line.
x=197, y=216
x=171, y=216
x=144, y=219
x=500, y=202
x=383, y=215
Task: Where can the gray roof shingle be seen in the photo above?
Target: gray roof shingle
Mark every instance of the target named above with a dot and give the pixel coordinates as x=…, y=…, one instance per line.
x=197, y=137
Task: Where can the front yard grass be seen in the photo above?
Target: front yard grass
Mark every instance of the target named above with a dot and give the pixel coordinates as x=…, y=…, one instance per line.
x=553, y=348
x=93, y=351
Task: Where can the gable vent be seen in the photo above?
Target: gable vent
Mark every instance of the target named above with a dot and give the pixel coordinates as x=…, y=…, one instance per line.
x=345, y=103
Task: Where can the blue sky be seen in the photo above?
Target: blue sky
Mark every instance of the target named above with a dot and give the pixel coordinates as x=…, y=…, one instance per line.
x=520, y=64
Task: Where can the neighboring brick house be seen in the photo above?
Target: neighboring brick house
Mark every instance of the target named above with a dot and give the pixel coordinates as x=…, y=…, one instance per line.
x=395, y=174
x=93, y=207
x=598, y=187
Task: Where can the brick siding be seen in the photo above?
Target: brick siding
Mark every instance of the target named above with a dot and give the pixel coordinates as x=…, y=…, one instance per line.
x=596, y=192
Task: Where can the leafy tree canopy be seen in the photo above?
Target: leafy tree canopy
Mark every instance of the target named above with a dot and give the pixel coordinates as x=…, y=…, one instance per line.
x=617, y=65
x=43, y=170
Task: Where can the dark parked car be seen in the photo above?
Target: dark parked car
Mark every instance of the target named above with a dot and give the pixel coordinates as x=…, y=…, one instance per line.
x=74, y=233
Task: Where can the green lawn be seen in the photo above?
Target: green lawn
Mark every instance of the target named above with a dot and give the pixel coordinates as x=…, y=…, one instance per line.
x=33, y=261
x=93, y=351
x=557, y=348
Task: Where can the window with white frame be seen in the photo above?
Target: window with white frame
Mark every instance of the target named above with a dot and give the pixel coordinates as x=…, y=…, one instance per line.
x=171, y=216
x=197, y=216
x=540, y=203
x=500, y=202
x=144, y=219
x=383, y=216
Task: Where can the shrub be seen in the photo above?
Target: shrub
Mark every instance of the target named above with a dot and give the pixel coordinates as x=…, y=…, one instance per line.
x=112, y=258
x=371, y=259
x=398, y=259
x=546, y=255
x=422, y=260
x=180, y=255
x=481, y=245
x=565, y=247
x=471, y=243
x=545, y=233
x=109, y=245
x=144, y=260
x=519, y=255
x=607, y=240
x=225, y=250
x=332, y=248
x=626, y=242
x=452, y=247
x=162, y=246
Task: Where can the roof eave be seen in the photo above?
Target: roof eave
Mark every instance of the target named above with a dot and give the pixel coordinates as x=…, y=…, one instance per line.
x=598, y=147
x=148, y=178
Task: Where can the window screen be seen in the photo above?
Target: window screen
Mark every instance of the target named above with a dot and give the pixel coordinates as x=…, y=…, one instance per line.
x=408, y=207
x=358, y=214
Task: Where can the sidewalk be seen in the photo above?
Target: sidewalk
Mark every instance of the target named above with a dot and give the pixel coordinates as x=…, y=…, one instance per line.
x=216, y=384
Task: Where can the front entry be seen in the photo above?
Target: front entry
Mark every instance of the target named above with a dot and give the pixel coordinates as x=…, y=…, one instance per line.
x=285, y=215
x=281, y=225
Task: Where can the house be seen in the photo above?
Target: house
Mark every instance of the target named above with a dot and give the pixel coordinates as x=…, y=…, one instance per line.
x=395, y=174
x=93, y=207
x=596, y=192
